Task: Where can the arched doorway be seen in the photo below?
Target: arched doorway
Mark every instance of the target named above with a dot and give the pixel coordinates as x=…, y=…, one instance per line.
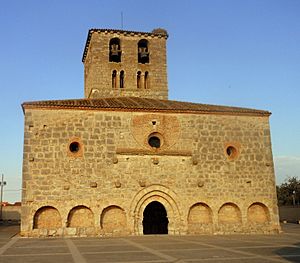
x=155, y=219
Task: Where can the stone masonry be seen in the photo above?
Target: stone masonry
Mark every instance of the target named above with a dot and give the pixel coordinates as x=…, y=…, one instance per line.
x=125, y=161
x=98, y=72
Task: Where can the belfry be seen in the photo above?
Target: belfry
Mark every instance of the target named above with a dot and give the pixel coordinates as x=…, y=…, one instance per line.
x=124, y=63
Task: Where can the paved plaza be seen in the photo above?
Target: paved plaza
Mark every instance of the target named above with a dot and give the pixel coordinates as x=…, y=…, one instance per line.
x=228, y=249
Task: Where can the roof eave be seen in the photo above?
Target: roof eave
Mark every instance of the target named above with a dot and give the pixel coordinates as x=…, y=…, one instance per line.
x=26, y=106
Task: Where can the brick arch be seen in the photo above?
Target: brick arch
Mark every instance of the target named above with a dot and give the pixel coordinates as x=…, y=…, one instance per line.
x=229, y=213
x=258, y=213
x=162, y=195
x=113, y=219
x=199, y=219
x=47, y=217
x=80, y=216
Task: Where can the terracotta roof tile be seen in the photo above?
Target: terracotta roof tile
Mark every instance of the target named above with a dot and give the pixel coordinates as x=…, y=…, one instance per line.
x=141, y=104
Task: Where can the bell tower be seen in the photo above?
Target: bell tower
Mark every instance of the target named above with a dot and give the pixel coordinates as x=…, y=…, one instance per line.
x=125, y=63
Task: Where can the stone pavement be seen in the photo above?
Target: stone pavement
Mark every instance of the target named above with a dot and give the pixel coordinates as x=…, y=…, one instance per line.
x=221, y=249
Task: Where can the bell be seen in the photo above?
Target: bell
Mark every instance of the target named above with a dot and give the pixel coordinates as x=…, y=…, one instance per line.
x=114, y=50
x=143, y=52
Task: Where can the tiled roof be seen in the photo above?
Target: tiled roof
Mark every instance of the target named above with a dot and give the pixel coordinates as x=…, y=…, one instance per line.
x=155, y=32
x=141, y=104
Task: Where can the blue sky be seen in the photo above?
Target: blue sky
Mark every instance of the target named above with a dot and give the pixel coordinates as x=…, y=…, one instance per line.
x=239, y=53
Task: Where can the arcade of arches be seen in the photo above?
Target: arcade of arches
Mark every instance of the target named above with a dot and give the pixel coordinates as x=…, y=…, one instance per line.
x=113, y=219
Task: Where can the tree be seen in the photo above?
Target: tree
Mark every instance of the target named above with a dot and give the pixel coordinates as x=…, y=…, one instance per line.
x=288, y=193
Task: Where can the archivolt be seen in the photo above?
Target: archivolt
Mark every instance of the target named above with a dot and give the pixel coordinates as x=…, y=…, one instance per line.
x=160, y=194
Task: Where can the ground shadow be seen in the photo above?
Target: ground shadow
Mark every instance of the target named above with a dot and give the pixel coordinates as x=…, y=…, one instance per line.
x=290, y=253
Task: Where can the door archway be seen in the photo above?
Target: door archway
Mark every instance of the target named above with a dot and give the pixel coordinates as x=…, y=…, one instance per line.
x=155, y=220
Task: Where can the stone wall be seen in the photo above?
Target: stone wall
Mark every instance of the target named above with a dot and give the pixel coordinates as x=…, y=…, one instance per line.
x=94, y=173
x=11, y=213
x=98, y=70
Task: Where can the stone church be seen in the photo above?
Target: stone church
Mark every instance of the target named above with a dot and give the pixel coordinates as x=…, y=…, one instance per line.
x=125, y=160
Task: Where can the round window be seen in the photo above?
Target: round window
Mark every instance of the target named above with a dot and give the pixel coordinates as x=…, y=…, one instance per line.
x=231, y=152
x=74, y=147
x=154, y=141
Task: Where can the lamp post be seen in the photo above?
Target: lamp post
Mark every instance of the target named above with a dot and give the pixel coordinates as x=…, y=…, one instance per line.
x=2, y=183
x=293, y=195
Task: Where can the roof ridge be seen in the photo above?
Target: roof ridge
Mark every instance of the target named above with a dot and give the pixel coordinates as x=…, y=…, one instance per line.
x=141, y=104
x=153, y=32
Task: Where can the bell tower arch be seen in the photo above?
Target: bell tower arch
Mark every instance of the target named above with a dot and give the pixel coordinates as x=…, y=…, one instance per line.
x=125, y=63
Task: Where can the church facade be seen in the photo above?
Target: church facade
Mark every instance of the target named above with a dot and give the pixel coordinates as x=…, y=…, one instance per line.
x=125, y=160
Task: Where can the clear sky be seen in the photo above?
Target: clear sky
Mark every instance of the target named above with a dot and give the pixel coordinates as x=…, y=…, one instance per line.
x=229, y=52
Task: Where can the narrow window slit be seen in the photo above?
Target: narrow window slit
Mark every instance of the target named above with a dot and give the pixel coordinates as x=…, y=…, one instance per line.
x=138, y=80
x=114, y=79
x=122, y=79
x=146, y=79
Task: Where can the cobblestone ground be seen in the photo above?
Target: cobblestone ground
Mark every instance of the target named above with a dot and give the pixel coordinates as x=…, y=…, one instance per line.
x=234, y=248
